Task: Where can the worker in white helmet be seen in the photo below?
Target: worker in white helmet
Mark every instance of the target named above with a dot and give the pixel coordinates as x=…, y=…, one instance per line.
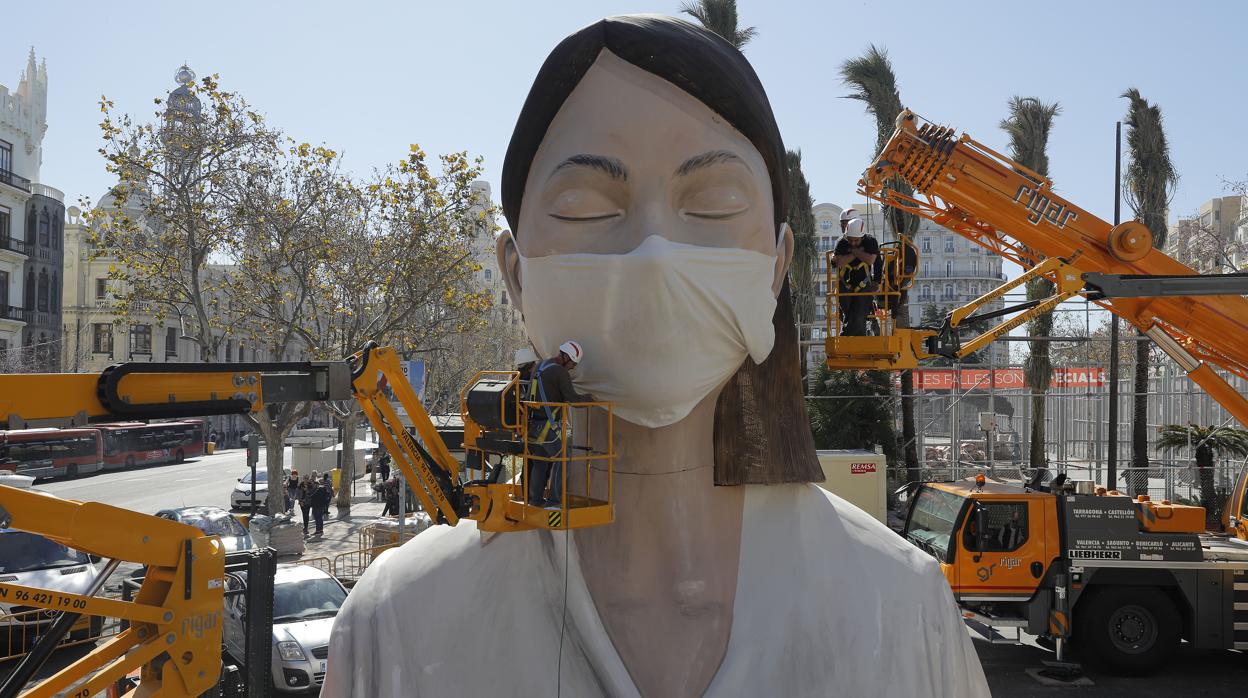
x=551, y=382
x=855, y=259
x=524, y=362
x=848, y=215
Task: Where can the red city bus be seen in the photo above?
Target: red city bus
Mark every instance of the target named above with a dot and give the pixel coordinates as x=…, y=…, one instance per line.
x=127, y=444
x=50, y=452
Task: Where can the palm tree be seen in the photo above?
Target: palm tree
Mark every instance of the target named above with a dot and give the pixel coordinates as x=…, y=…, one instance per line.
x=874, y=83
x=848, y=409
x=1028, y=126
x=805, y=251
x=1149, y=186
x=1210, y=443
x=720, y=16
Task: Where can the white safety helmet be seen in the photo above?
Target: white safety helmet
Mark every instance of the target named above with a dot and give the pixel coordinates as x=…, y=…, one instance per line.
x=849, y=214
x=573, y=350
x=525, y=355
x=853, y=229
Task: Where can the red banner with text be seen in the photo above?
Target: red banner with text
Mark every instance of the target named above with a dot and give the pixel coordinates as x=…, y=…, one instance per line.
x=1002, y=378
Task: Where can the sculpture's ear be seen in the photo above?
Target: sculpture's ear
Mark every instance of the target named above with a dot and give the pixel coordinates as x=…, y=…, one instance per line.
x=509, y=266
x=784, y=257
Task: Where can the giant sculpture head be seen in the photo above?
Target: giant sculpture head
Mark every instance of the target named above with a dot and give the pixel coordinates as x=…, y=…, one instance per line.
x=645, y=188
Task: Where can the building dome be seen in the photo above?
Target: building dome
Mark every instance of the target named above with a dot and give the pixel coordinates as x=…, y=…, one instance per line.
x=181, y=101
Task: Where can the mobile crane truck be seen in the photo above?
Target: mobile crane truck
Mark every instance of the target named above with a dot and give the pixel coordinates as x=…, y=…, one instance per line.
x=1124, y=578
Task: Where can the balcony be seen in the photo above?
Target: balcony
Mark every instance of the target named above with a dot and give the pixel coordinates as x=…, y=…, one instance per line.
x=50, y=192
x=14, y=180
x=13, y=244
x=8, y=312
x=959, y=273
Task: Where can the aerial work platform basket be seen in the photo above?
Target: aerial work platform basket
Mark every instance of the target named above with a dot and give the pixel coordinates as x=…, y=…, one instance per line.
x=884, y=346
x=510, y=441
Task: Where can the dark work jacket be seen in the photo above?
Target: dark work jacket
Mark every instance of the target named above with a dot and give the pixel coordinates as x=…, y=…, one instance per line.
x=557, y=385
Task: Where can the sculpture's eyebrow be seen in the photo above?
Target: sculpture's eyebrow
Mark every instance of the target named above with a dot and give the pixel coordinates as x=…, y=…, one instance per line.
x=712, y=157
x=611, y=166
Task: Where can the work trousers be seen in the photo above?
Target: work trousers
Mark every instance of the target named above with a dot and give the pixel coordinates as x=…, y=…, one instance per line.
x=319, y=515
x=541, y=471
x=304, y=509
x=854, y=311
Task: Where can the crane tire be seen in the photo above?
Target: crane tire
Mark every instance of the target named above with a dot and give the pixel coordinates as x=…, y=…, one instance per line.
x=1127, y=630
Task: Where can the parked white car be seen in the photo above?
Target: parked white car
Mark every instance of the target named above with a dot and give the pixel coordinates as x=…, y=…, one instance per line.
x=240, y=498
x=31, y=560
x=305, y=602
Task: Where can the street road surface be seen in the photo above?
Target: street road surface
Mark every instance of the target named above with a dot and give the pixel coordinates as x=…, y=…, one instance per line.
x=202, y=481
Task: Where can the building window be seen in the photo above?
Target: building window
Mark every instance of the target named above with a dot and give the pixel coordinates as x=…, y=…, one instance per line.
x=489, y=275
x=171, y=341
x=974, y=267
x=4, y=346
x=6, y=156
x=926, y=243
x=30, y=290
x=5, y=222
x=827, y=224
x=949, y=245
x=948, y=292
x=504, y=297
x=948, y=268
x=44, y=223
x=140, y=339
x=101, y=289
x=102, y=338
x=229, y=350
x=54, y=296
x=43, y=291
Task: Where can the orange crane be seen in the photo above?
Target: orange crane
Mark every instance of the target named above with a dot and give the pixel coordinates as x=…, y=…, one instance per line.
x=965, y=186
x=1124, y=577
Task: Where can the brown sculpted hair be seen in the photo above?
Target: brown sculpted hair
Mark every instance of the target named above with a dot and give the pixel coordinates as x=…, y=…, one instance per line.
x=762, y=434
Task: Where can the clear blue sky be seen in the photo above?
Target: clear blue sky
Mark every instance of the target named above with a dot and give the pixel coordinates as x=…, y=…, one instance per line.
x=368, y=78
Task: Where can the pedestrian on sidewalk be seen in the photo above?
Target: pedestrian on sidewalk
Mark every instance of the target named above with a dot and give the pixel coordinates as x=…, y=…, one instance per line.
x=307, y=486
x=390, y=493
x=321, y=498
x=383, y=466
x=292, y=491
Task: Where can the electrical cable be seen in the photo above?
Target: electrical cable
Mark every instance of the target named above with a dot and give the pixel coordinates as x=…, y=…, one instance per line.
x=564, y=617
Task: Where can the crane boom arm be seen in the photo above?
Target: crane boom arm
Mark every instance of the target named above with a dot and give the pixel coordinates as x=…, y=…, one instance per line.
x=998, y=203
x=971, y=189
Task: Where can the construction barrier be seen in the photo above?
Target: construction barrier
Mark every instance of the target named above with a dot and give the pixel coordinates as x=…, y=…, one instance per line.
x=21, y=630
x=350, y=566
x=323, y=564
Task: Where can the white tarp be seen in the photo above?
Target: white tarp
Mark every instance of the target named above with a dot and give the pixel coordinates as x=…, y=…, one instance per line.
x=828, y=602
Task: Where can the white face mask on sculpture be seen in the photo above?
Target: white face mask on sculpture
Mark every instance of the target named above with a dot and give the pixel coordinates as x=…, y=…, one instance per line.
x=662, y=326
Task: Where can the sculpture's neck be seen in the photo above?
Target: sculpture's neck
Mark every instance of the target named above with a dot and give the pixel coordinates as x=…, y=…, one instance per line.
x=664, y=575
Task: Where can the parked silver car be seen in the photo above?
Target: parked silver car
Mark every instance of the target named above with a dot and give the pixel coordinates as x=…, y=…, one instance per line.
x=214, y=521
x=305, y=602
x=31, y=560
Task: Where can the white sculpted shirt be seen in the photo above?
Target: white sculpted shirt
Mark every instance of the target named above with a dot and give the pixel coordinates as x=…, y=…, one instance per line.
x=829, y=603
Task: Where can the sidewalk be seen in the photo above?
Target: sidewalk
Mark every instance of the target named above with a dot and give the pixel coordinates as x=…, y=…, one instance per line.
x=342, y=526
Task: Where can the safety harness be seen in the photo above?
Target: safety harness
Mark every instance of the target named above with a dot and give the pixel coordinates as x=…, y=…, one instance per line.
x=549, y=432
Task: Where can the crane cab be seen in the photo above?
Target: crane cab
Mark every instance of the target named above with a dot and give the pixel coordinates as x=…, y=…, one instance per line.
x=992, y=541
x=509, y=440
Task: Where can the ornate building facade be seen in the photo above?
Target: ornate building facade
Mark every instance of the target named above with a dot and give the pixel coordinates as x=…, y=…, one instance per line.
x=32, y=219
